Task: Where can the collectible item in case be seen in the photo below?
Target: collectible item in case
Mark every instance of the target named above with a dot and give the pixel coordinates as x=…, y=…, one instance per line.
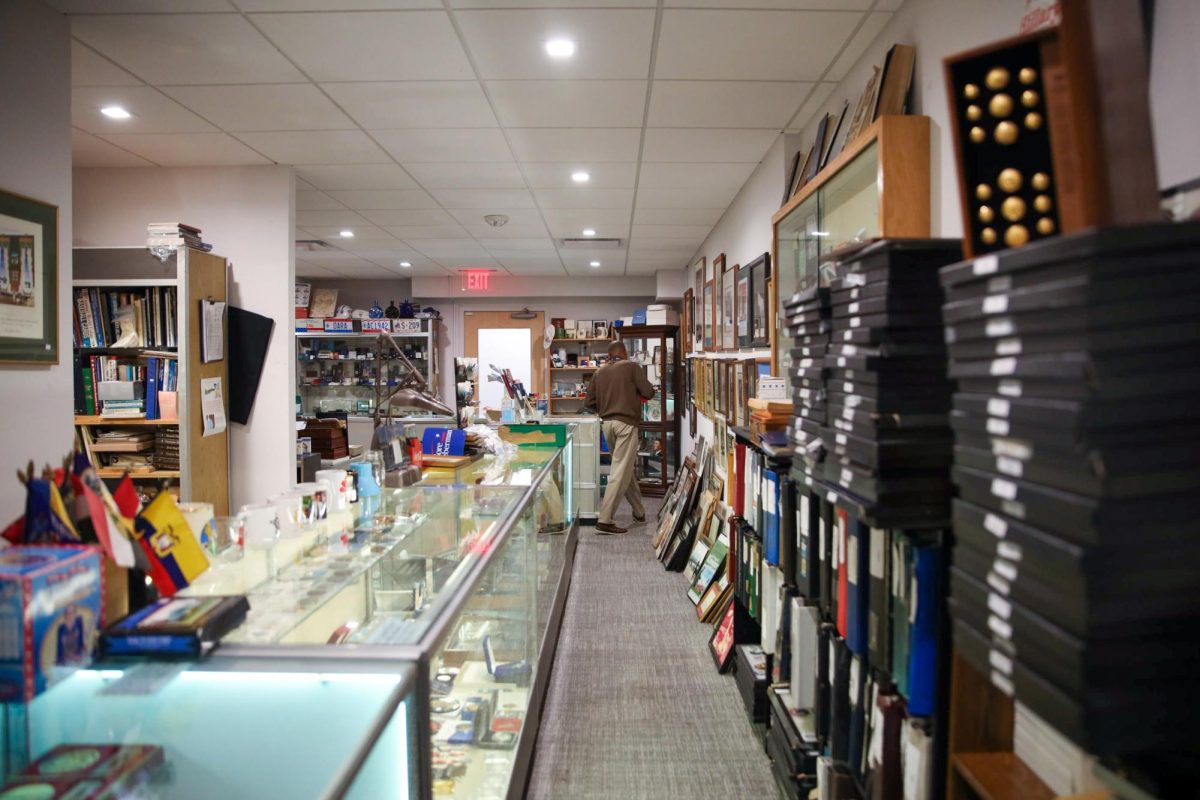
x=515, y=672
x=1051, y=129
x=183, y=626
x=85, y=772
x=50, y=607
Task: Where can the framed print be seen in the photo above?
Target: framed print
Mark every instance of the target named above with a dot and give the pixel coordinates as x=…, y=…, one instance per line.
x=697, y=314
x=731, y=392
x=693, y=420
x=708, y=316
x=685, y=321
x=729, y=308
x=718, y=278
x=741, y=301
x=28, y=280
x=720, y=645
x=760, y=309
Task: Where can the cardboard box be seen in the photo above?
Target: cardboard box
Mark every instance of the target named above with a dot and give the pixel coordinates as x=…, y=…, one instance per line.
x=662, y=316
x=50, y=615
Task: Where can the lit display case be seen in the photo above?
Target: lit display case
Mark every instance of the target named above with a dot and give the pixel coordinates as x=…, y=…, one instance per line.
x=403, y=652
x=656, y=349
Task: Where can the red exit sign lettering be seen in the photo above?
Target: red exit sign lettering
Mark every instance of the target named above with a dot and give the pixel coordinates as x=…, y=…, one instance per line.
x=476, y=280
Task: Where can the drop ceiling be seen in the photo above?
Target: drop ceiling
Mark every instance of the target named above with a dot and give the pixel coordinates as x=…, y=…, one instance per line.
x=409, y=120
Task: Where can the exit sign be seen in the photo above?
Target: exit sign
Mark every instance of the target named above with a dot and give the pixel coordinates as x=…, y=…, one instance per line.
x=476, y=280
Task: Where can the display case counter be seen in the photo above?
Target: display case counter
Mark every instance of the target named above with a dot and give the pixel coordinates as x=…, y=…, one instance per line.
x=223, y=727
x=437, y=613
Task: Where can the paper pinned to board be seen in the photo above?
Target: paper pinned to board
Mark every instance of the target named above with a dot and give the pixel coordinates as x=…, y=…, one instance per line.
x=212, y=331
x=212, y=405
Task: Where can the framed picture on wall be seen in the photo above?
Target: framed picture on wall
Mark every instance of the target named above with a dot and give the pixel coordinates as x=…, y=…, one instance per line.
x=707, y=314
x=729, y=308
x=718, y=279
x=741, y=300
x=697, y=313
x=685, y=321
x=28, y=280
x=760, y=308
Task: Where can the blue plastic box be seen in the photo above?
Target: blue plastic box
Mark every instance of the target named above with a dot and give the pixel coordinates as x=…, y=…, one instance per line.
x=50, y=605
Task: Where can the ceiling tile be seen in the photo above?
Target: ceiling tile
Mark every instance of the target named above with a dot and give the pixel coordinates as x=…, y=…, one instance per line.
x=90, y=69
x=724, y=104
x=412, y=216
x=263, y=107
x=698, y=197
x=370, y=46
x=445, y=144
x=615, y=269
x=188, y=149
x=366, y=269
x=888, y=5
x=339, y=216
x=575, y=144
x=585, y=198
x=438, y=249
x=89, y=151
x=152, y=112
x=813, y=5
x=362, y=232
x=415, y=104
x=309, y=200
x=695, y=233
x=307, y=270
x=693, y=176
x=523, y=223
x=569, y=104
x=331, y=177
x=650, y=265
x=548, y=266
x=550, y=3
x=613, y=257
x=335, y=5
x=812, y=105
x=610, y=43
x=483, y=198
x=570, y=222
x=858, y=45
x=316, y=147
x=558, y=175
x=642, y=215
x=646, y=245
x=695, y=44
x=706, y=145
x=381, y=251
x=170, y=49
x=500, y=247
x=511, y=230
x=384, y=199
x=409, y=232
x=139, y=6
x=468, y=176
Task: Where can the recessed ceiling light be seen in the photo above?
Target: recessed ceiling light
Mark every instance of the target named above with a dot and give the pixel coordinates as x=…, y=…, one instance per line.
x=115, y=112
x=589, y=232
x=346, y=234
x=406, y=264
x=560, y=48
x=580, y=177
x=594, y=263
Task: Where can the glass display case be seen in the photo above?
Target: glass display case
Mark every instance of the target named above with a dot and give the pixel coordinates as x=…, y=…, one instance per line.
x=336, y=372
x=877, y=187
x=221, y=727
x=656, y=348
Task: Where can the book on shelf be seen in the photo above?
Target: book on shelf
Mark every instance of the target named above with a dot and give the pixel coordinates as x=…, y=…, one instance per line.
x=896, y=80
x=117, y=318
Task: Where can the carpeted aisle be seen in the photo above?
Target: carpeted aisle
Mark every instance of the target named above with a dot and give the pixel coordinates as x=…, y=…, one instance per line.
x=636, y=708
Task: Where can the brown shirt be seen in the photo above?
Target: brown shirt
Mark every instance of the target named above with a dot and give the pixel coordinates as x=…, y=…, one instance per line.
x=616, y=391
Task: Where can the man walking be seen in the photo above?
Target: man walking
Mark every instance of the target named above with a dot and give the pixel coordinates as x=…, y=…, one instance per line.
x=616, y=393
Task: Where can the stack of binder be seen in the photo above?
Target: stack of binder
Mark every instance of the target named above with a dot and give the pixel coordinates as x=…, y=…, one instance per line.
x=1077, y=462
x=808, y=323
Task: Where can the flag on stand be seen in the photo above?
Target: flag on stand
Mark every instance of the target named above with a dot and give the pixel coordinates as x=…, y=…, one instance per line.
x=168, y=543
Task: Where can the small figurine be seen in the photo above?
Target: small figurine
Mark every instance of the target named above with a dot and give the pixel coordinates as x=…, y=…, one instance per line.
x=392, y=312
x=376, y=310
x=407, y=311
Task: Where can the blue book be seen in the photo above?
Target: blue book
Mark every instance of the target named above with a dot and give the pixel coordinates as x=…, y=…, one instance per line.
x=922, y=652
x=770, y=517
x=444, y=442
x=151, y=388
x=858, y=580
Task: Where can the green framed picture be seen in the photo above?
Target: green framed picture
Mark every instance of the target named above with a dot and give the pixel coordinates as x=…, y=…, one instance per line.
x=28, y=280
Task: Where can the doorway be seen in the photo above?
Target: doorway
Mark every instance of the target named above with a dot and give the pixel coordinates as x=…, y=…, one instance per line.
x=494, y=337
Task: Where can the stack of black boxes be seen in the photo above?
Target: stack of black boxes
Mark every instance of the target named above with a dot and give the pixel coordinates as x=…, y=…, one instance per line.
x=1077, y=461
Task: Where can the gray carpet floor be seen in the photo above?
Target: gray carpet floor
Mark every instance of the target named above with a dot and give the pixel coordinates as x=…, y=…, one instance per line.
x=636, y=709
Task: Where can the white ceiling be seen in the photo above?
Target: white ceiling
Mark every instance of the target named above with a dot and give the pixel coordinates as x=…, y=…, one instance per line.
x=409, y=120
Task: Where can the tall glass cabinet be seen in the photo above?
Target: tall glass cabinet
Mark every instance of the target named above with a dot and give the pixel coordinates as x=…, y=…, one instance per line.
x=656, y=349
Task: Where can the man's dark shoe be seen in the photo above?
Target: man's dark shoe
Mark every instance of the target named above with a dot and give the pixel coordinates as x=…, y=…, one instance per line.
x=605, y=528
x=638, y=519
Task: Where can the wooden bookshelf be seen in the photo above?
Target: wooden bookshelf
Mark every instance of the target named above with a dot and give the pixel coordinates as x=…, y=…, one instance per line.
x=997, y=776
x=582, y=349
x=204, y=460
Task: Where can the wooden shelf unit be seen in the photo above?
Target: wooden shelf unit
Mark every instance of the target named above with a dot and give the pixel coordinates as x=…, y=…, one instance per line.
x=581, y=348
x=204, y=460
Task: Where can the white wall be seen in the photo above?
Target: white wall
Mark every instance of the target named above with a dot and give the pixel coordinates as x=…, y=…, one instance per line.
x=35, y=161
x=1174, y=74
x=248, y=214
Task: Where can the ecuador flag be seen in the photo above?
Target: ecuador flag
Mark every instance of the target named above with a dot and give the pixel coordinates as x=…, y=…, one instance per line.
x=174, y=554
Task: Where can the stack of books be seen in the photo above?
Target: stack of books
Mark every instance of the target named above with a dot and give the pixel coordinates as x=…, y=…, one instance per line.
x=1077, y=462
x=769, y=415
x=166, y=448
x=808, y=323
x=174, y=234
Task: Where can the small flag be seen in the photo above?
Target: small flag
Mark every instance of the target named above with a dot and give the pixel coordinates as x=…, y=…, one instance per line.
x=114, y=533
x=173, y=552
x=46, y=518
x=126, y=498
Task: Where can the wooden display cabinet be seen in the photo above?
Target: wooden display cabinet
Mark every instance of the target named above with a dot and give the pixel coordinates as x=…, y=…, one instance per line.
x=656, y=348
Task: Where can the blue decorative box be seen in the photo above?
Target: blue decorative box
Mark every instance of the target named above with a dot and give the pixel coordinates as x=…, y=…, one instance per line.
x=639, y=317
x=50, y=602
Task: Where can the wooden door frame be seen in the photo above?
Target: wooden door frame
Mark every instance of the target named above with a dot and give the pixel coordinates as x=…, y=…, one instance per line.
x=474, y=319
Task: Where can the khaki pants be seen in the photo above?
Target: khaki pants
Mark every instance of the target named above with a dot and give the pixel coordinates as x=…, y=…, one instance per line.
x=622, y=441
